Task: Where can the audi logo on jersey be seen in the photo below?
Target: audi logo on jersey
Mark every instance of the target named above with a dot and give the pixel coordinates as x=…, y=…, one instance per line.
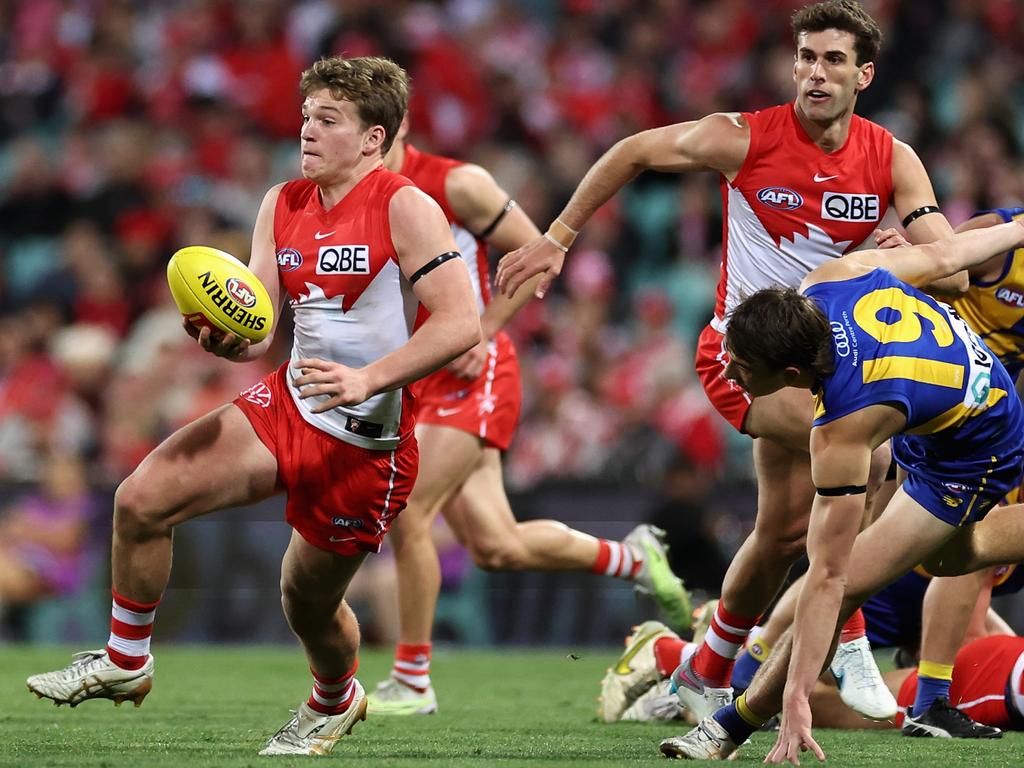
x=781, y=198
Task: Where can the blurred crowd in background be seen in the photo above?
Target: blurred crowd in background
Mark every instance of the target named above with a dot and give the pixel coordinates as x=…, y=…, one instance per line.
x=131, y=128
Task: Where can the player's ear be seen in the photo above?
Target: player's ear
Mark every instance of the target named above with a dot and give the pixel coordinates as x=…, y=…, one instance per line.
x=865, y=75
x=373, y=140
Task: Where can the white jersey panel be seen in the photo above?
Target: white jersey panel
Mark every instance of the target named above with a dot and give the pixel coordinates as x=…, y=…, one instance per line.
x=469, y=248
x=753, y=260
x=375, y=326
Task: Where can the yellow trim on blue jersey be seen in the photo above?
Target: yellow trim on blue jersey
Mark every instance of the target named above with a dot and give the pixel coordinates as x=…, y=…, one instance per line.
x=914, y=368
x=957, y=415
x=981, y=488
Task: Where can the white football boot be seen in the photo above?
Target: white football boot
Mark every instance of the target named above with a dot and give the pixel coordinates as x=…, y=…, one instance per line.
x=708, y=741
x=310, y=733
x=658, y=703
x=393, y=697
x=635, y=671
x=861, y=686
x=92, y=675
x=701, y=700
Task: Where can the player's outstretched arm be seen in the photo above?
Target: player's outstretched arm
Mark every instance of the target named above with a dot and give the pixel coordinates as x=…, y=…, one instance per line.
x=913, y=196
x=263, y=263
x=479, y=202
x=922, y=265
x=718, y=142
x=840, y=464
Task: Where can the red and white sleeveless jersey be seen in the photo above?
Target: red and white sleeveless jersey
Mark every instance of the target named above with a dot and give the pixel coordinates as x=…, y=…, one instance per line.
x=352, y=304
x=429, y=172
x=793, y=206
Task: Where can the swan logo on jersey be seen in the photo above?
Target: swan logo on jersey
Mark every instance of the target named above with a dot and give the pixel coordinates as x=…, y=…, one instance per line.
x=1011, y=297
x=242, y=294
x=343, y=260
x=288, y=259
x=843, y=206
x=780, y=197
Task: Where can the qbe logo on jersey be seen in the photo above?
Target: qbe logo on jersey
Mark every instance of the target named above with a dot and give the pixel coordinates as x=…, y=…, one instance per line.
x=844, y=206
x=343, y=260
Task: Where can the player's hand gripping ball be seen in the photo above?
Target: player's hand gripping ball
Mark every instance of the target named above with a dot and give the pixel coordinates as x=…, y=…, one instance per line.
x=214, y=289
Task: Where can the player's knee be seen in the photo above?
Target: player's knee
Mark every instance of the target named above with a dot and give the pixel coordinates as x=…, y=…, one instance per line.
x=495, y=556
x=138, y=510
x=783, y=546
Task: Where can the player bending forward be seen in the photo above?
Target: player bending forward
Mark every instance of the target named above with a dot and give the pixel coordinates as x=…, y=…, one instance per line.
x=332, y=427
x=884, y=361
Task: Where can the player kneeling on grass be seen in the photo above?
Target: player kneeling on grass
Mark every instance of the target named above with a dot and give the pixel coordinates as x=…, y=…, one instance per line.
x=884, y=361
x=333, y=426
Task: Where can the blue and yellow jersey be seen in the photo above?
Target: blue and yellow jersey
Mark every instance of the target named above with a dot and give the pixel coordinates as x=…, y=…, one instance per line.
x=995, y=309
x=894, y=344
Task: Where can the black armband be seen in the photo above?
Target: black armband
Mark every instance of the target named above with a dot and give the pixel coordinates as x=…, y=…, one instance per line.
x=509, y=205
x=433, y=264
x=917, y=213
x=843, y=490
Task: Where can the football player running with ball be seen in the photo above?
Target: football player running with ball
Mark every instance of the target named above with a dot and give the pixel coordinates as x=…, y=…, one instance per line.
x=355, y=248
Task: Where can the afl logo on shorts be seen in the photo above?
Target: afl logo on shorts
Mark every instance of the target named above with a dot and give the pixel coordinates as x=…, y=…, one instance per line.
x=288, y=259
x=240, y=293
x=780, y=197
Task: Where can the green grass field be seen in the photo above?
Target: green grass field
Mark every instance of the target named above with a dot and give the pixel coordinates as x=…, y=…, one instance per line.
x=216, y=707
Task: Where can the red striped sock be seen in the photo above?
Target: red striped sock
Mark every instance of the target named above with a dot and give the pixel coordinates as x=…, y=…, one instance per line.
x=668, y=654
x=853, y=628
x=412, y=665
x=722, y=644
x=131, y=627
x=333, y=695
x=615, y=558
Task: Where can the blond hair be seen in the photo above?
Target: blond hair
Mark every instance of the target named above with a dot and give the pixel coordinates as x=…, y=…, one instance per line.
x=377, y=86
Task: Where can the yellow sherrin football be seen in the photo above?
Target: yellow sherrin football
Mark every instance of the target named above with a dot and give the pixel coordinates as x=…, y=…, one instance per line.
x=214, y=288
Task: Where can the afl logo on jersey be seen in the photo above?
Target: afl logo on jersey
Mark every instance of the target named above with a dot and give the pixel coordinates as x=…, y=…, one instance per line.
x=780, y=197
x=1011, y=297
x=240, y=293
x=288, y=259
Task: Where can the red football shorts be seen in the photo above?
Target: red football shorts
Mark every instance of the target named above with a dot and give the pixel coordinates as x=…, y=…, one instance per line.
x=729, y=398
x=981, y=680
x=487, y=406
x=341, y=497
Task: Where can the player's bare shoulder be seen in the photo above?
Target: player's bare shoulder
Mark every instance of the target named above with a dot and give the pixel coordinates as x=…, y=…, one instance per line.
x=473, y=193
x=838, y=269
x=721, y=139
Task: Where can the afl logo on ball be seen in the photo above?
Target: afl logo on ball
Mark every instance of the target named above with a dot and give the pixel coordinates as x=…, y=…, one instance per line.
x=240, y=293
x=780, y=197
x=288, y=259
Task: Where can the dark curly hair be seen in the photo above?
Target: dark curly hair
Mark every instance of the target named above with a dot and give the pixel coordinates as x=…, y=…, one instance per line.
x=780, y=327
x=846, y=16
